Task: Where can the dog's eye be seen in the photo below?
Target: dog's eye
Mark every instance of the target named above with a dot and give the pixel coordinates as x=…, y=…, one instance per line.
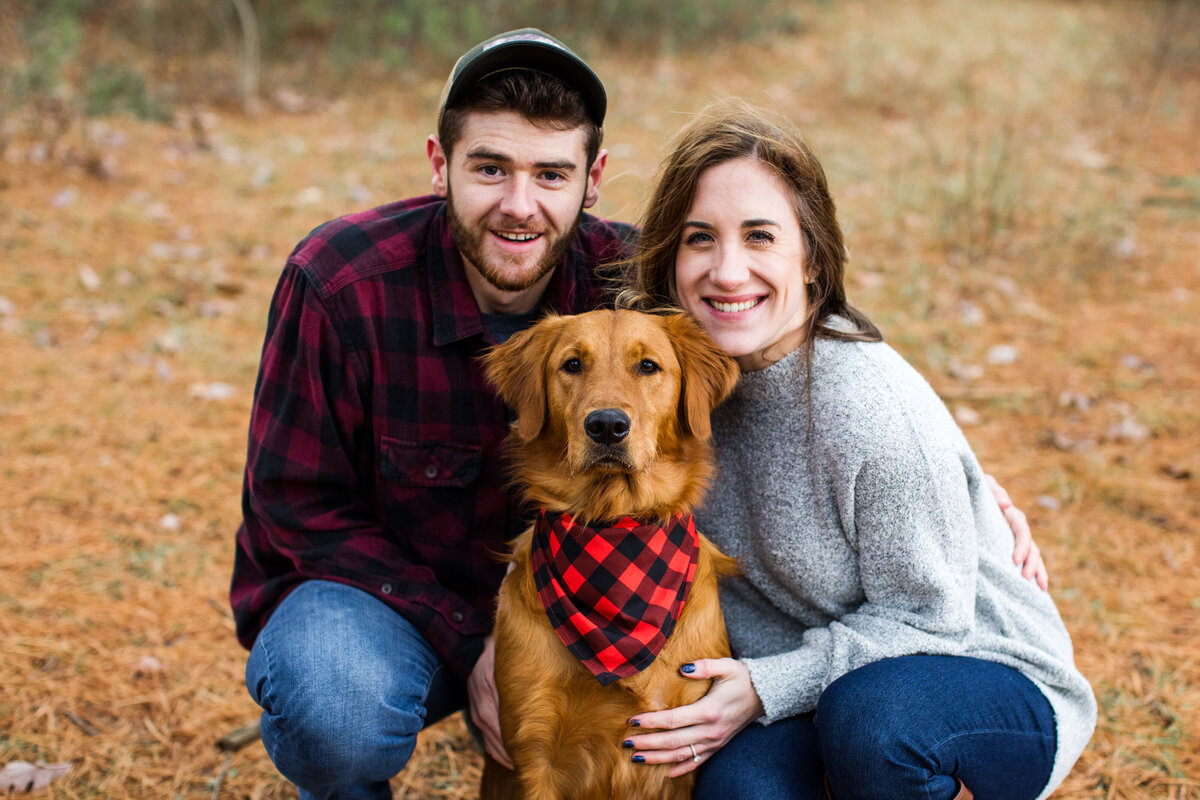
x=573, y=366
x=647, y=367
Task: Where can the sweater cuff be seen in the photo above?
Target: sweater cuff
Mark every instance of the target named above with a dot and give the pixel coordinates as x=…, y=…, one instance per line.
x=787, y=685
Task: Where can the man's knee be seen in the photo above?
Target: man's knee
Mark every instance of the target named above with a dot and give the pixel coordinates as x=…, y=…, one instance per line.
x=335, y=725
x=343, y=694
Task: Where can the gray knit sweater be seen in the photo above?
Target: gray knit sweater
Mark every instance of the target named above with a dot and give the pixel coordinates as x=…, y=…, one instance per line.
x=868, y=535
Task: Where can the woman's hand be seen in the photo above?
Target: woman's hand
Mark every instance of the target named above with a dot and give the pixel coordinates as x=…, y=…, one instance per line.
x=706, y=725
x=1026, y=553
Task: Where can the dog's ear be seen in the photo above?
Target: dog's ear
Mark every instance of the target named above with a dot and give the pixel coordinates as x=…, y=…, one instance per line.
x=708, y=374
x=517, y=369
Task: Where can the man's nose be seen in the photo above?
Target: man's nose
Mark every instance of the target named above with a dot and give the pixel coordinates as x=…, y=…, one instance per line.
x=518, y=198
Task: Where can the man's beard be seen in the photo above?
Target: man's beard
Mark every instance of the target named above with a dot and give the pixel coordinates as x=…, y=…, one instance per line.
x=470, y=245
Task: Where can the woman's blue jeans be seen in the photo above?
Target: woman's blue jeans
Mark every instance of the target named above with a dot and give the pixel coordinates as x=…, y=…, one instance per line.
x=907, y=727
x=345, y=684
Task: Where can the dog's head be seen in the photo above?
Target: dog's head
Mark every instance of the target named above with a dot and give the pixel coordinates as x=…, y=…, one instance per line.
x=612, y=410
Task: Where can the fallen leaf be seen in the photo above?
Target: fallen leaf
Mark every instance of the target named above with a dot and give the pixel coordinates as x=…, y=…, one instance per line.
x=148, y=665
x=310, y=195
x=967, y=415
x=25, y=778
x=1128, y=430
x=970, y=313
x=1072, y=399
x=1048, y=502
x=963, y=371
x=65, y=198
x=213, y=391
x=1002, y=354
x=169, y=522
x=89, y=278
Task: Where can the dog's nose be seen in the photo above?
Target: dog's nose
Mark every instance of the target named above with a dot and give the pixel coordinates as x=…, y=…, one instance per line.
x=606, y=425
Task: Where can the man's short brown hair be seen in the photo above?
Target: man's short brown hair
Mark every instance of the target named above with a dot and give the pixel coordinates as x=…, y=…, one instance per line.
x=542, y=99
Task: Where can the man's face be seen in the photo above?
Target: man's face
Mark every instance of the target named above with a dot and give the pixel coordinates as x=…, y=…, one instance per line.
x=516, y=193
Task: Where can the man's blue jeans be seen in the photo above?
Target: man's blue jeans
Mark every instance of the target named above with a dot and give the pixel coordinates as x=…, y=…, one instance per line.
x=345, y=684
x=900, y=728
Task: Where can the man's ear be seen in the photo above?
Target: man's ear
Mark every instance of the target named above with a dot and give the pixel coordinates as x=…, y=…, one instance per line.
x=438, y=163
x=593, y=184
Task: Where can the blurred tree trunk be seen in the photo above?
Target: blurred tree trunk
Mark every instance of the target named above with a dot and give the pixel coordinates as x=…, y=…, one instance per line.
x=251, y=55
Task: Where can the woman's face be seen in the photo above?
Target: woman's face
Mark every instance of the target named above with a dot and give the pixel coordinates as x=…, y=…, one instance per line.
x=740, y=264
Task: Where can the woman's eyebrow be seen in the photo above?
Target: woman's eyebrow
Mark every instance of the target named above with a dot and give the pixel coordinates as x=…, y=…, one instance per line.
x=750, y=223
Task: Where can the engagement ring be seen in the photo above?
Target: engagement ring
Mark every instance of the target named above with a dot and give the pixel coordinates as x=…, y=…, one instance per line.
x=695, y=757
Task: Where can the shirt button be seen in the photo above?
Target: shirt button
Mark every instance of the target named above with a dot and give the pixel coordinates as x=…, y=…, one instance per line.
x=431, y=471
x=386, y=588
x=457, y=616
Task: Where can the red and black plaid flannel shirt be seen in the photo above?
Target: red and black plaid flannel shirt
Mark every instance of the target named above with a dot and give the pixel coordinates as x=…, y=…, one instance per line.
x=375, y=442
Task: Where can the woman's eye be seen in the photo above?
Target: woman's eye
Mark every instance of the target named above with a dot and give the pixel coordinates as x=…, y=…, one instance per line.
x=647, y=367
x=572, y=365
x=760, y=236
x=698, y=237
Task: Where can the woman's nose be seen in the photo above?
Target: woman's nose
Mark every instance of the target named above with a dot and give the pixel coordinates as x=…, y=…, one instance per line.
x=730, y=269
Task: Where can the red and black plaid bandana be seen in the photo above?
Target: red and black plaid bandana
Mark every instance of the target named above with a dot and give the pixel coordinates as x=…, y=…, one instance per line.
x=613, y=594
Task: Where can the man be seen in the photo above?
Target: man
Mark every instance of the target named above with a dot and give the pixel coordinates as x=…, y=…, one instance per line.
x=374, y=501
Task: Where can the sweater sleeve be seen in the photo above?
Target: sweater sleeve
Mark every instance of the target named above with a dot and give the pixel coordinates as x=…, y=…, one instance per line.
x=902, y=483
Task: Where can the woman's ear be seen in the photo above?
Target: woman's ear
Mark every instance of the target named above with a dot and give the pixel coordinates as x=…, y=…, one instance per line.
x=708, y=374
x=517, y=369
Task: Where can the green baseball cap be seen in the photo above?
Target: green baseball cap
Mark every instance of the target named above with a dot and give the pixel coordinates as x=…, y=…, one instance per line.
x=526, y=48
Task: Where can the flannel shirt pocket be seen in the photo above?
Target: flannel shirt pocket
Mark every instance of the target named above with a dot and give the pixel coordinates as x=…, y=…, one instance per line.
x=429, y=464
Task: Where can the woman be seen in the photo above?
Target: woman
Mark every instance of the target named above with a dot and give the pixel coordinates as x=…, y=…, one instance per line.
x=883, y=637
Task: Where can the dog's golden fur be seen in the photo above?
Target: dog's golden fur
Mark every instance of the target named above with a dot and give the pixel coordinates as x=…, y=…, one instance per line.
x=563, y=729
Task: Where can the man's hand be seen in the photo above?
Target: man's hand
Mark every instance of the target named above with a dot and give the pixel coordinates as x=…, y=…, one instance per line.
x=485, y=703
x=1026, y=553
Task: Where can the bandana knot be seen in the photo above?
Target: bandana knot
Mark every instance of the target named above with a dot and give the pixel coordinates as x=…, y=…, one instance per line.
x=614, y=594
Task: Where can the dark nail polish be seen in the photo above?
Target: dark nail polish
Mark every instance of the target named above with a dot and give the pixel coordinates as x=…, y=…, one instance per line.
x=688, y=669
x=635, y=723
x=627, y=744
x=639, y=759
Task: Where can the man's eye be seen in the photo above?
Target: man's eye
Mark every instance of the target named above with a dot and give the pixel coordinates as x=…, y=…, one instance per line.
x=572, y=365
x=647, y=367
x=490, y=170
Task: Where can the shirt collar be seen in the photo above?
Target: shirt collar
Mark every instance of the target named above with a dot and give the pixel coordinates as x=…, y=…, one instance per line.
x=456, y=315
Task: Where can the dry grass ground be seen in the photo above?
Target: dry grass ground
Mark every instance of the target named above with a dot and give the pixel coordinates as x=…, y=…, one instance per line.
x=1021, y=187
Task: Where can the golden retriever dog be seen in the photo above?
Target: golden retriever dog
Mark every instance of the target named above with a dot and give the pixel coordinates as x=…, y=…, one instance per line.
x=610, y=440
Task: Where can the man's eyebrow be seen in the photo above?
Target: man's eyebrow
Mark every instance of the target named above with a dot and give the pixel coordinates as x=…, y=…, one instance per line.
x=488, y=155
x=480, y=154
x=563, y=164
